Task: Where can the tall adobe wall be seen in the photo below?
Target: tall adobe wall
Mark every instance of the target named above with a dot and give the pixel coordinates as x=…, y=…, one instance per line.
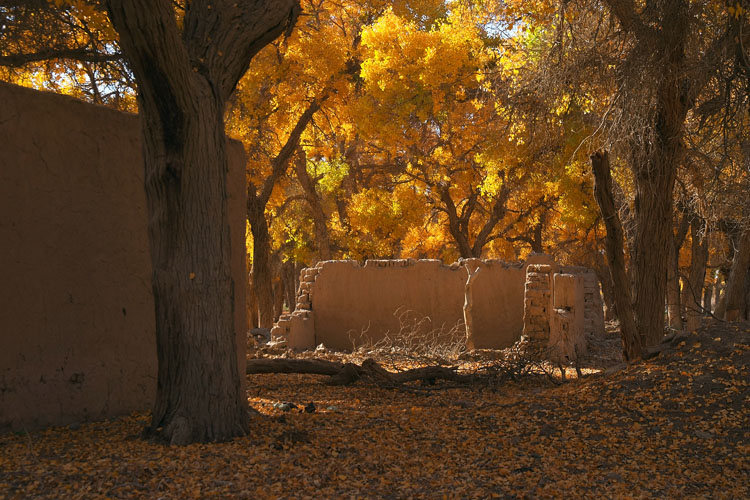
x=76, y=306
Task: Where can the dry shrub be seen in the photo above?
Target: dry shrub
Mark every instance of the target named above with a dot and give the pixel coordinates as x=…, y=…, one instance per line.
x=415, y=342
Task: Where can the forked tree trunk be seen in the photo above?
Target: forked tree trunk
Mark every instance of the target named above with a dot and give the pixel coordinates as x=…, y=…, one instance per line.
x=184, y=80
x=656, y=147
x=632, y=347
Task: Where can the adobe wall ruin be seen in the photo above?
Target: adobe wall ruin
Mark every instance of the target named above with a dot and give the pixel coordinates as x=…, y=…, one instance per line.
x=76, y=307
x=563, y=305
x=343, y=304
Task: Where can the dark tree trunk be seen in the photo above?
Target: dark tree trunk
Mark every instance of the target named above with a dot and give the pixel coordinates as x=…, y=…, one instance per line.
x=278, y=291
x=653, y=215
x=605, y=279
x=252, y=303
x=708, y=296
x=290, y=285
x=732, y=305
x=632, y=346
x=610, y=308
x=674, y=304
x=458, y=223
x=661, y=32
x=261, y=271
x=697, y=275
x=257, y=198
x=184, y=80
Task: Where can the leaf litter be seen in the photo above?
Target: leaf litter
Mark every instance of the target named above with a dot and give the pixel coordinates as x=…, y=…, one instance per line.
x=676, y=426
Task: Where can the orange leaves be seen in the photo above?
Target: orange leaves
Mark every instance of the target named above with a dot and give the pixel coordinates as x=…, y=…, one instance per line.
x=648, y=431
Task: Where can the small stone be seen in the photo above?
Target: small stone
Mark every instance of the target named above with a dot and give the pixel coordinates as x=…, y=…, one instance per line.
x=310, y=407
x=285, y=406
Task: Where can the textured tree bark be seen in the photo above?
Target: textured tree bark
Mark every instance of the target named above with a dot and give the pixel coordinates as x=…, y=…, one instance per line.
x=184, y=80
x=653, y=214
x=697, y=275
x=632, y=346
x=656, y=148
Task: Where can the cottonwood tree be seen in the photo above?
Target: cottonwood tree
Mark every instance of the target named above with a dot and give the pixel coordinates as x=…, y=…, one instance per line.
x=66, y=47
x=187, y=64
x=658, y=67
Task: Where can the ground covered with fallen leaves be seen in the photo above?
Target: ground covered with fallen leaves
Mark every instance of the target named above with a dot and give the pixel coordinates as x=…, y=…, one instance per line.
x=676, y=426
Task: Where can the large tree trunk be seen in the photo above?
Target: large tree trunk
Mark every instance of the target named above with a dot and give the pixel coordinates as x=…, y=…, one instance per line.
x=190, y=255
x=656, y=148
x=184, y=80
x=632, y=347
x=653, y=213
x=697, y=275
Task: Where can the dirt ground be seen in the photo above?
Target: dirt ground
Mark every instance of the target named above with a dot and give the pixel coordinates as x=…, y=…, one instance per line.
x=676, y=426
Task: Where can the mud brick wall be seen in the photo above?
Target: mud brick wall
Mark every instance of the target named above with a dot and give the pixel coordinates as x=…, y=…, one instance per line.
x=567, y=339
x=594, y=306
x=349, y=303
x=77, y=333
x=538, y=303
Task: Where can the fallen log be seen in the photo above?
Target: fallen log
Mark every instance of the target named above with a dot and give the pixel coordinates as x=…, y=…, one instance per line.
x=281, y=365
x=345, y=374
